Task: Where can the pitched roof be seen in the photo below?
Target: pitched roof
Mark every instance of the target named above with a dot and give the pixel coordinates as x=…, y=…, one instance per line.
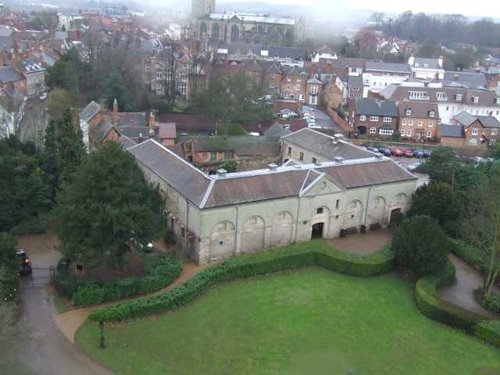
x=418, y=109
x=323, y=145
x=451, y=131
x=91, y=110
x=104, y=128
x=375, y=66
x=211, y=144
x=125, y=142
x=183, y=177
x=288, y=52
x=9, y=74
x=426, y=63
x=372, y=107
x=167, y=130
x=466, y=119
x=465, y=79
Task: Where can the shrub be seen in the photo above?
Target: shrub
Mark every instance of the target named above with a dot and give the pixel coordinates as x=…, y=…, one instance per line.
x=469, y=254
x=492, y=302
x=420, y=245
x=161, y=270
x=489, y=331
x=291, y=257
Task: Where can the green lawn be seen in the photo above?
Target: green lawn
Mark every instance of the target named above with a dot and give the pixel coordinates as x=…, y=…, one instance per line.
x=304, y=322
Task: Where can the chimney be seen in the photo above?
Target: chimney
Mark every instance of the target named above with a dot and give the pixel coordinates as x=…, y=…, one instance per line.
x=272, y=166
x=411, y=60
x=114, y=115
x=455, y=77
x=221, y=172
x=440, y=62
x=151, y=124
x=140, y=138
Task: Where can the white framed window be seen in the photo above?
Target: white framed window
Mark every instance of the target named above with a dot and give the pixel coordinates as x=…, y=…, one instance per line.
x=474, y=131
x=403, y=122
x=430, y=124
x=314, y=90
x=373, y=130
x=475, y=99
x=458, y=97
x=408, y=133
x=441, y=96
x=432, y=114
x=429, y=134
x=374, y=118
x=297, y=87
x=410, y=122
x=403, y=132
x=362, y=118
x=494, y=132
x=288, y=78
x=386, y=131
x=408, y=112
x=387, y=119
x=420, y=123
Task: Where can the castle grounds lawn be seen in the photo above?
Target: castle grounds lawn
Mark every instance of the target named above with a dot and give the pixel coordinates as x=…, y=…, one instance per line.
x=311, y=321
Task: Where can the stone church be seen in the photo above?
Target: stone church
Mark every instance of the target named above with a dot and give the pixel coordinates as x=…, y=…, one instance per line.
x=325, y=185
x=247, y=28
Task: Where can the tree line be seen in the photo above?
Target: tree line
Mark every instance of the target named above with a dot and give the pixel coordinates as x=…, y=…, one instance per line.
x=448, y=29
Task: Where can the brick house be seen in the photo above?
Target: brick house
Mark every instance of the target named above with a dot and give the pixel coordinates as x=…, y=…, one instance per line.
x=418, y=120
x=451, y=135
x=314, y=89
x=293, y=84
x=479, y=131
x=208, y=150
x=377, y=118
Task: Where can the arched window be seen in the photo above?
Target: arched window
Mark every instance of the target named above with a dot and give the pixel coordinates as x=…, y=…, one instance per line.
x=235, y=33
x=215, y=31
x=203, y=29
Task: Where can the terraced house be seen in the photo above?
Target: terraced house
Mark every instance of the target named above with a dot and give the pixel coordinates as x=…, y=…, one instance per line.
x=337, y=186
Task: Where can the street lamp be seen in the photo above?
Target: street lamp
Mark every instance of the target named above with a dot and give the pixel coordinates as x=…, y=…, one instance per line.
x=102, y=344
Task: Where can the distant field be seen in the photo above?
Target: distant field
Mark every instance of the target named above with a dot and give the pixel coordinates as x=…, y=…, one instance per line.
x=304, y=322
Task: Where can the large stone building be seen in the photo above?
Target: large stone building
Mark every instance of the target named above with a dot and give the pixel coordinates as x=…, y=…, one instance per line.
x=244, y=27
x=336, y=186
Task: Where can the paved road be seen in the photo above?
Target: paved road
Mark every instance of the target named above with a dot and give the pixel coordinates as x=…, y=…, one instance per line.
x=46, y=350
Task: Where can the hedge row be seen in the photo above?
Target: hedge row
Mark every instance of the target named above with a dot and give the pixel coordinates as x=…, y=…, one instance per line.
x=316, y=253
x=469, y=254
x=489, y=331
x=429, y=304
x=492, y=302
x=161, y=270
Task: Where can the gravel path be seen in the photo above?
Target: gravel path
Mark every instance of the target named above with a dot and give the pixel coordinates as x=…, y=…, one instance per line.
x=363, y=243
x=461, y=292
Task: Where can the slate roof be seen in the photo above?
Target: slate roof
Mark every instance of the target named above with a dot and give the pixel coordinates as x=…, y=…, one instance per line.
x=126, y=142
x=91, y=110
x=465, y=79
x=420, y=62
x=355, y=82
x=418, y=109
x=132, y=119
x=372, y=107
x=211, y=144
x=104, y=128
x=466, y=119
x=288, y=52
x=358, y=175
x=167, y=130
x=9, y=74
x=374, y=66
x=451, y=131
x=183, y=177
x=322, y=144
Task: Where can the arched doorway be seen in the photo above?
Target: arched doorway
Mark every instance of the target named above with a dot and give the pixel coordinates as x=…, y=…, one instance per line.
x=317, y=230
x=377, y=212
x=395, y=216
x=361, y=129
x=252, y=235
x=354, y=214
x=281, y=232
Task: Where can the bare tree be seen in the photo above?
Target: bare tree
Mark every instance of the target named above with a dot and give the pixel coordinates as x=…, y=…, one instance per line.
x=168, y=68
x=481, y=226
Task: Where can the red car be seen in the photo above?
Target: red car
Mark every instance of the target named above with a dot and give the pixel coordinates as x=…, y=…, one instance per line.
x=408, y=153
x=396, y=152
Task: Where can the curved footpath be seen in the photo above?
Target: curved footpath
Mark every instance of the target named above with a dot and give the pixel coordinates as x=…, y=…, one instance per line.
x=461, y=292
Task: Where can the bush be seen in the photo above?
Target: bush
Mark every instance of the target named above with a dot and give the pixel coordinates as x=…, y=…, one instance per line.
x=30, y=226
x=492, y=302
x=469, y=254
x=161, y=270
x=489, y=331
x=420, y=245
x=291, y=257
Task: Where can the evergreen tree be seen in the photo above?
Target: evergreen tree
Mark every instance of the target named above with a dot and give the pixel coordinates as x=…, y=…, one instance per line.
x=106, y=204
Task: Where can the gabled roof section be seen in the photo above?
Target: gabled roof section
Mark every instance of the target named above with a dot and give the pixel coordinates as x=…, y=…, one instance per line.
x=182, y=176
x=90, y=111
x=326, y=146
x=372, y=107
x=451, y=131
x=375, y=66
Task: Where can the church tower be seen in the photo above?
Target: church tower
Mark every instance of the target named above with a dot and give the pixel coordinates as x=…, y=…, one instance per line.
x=202, y=8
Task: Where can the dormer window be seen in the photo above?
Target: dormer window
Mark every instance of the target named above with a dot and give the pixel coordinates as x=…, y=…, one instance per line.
x=432, y=114
x=426, y=65
x=475, y=99
x=408, y=112
x=458, y=97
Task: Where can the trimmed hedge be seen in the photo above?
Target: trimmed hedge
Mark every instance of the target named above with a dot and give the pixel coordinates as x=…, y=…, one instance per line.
x=429, y=304
x=161, y=270
x=315, y=253
x=492, y=302
x=469, y=254
x=489, y=331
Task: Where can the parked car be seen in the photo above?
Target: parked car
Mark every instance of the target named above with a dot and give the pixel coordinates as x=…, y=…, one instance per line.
x=418, y=153
x=408, y=153
x=23, y=261
x=427, y=153
x=385, y=151
x=373, y=149
x=396, y=152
